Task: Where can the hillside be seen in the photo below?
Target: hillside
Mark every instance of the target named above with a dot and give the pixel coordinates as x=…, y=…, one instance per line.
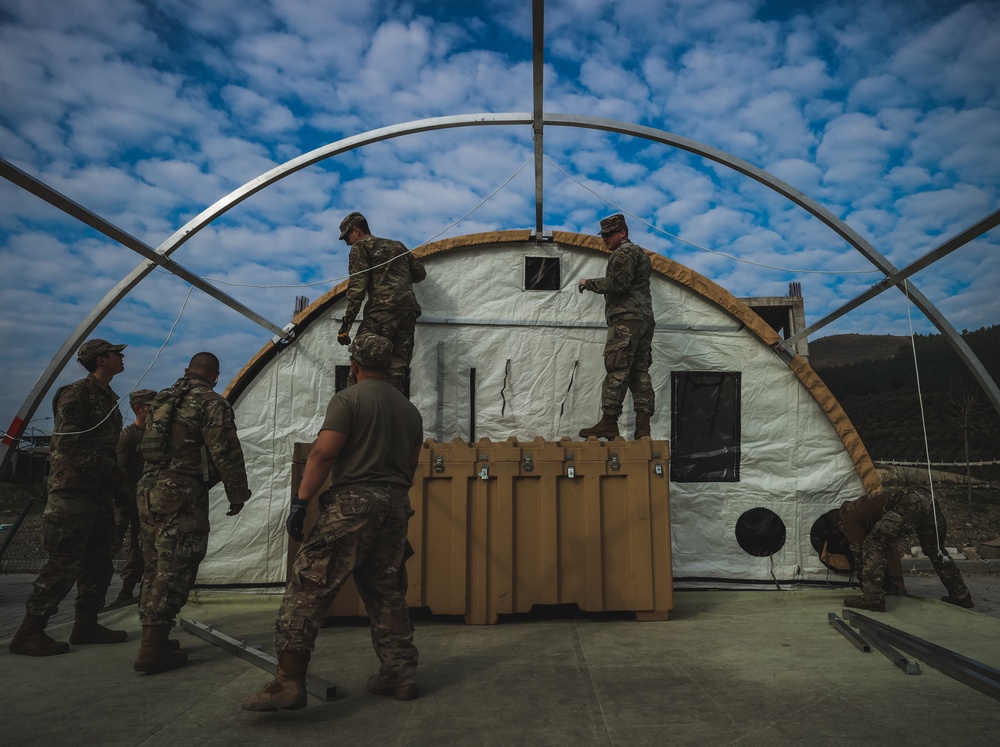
x=840, y=350
x=873, y=377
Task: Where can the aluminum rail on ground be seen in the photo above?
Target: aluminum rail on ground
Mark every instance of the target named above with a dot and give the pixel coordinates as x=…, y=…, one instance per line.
x=845, y=630
x=955, y=242
x=314, y=685
x=968, y=671
x=192, y=227
x=950, y=334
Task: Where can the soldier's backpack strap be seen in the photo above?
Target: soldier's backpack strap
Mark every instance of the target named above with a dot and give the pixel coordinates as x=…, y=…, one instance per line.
x=157, y=441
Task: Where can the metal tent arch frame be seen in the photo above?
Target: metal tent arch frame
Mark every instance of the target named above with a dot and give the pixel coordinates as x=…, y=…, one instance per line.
x=219, y=208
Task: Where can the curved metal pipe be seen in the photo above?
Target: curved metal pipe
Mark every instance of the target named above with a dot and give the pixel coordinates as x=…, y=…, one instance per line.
x=116, y=294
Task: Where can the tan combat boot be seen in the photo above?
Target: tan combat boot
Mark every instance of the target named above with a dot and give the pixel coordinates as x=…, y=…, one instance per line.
x=606, y=428
x=641, y=425
x=861, y=603
x=380, y=685
x=86, y=629
x=158, y=653
x=287, y=691
x=31, y=640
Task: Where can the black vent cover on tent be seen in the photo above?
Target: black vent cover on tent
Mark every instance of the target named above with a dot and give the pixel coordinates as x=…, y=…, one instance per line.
x=760, y=532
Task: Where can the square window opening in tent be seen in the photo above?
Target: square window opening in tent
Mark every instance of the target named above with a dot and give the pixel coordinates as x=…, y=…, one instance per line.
x=341, y=374
x=705, y=426
x=542, y=273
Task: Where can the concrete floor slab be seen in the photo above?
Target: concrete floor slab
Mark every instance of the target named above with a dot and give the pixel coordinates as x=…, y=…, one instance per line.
x=753, y=667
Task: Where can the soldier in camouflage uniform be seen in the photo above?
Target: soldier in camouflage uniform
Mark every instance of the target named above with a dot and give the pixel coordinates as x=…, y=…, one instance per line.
x=385, y=271
x=85, y=482
x=873, y=524
x=628, y=309
x=371, y=440
x=127, y=516
x=189, y=445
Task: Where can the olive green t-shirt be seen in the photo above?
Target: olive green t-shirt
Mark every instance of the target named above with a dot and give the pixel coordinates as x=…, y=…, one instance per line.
x=382, y=427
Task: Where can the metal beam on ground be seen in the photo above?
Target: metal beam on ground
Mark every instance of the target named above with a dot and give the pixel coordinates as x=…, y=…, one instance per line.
x=845, y=630
x=314, y=685
x=968, y=671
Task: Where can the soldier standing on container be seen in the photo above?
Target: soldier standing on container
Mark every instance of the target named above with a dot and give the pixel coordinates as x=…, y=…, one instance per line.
x=189, y=445
x=628, y=309
x=875, y=522
x=85, y=481
x=371, y=440
x=385, y=271
x=127, y=516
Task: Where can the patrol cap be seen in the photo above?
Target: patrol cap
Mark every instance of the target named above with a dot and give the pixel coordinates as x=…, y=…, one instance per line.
x=613, y=224
x=352, y=220
x=91, y=350
x=371, y=350
x=141, y=397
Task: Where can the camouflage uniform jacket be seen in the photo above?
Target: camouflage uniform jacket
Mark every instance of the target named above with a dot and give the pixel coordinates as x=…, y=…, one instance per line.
x=129, y=457
x=203, y=442
x=388, y=286
x=625, y=285
x=85, y=437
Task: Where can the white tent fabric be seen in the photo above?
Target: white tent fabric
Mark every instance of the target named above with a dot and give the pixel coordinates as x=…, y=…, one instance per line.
x=539, y=367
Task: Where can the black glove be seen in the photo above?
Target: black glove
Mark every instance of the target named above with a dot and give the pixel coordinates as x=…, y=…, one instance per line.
x=344, y=336
x=296, y=517
x=234, y=508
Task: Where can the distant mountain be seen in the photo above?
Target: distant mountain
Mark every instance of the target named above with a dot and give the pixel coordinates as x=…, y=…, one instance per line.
x=840, y=350
x=874, y=378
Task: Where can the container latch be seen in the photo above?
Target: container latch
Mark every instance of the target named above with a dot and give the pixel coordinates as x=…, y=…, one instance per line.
x=615, y=464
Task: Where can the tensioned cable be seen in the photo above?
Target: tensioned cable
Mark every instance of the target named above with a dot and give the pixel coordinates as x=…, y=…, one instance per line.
x=369, y=269
x=923, y=420
x=699, y=246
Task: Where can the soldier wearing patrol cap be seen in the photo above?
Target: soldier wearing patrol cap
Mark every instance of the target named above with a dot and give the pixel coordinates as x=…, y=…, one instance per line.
x=127, y=515
x=384, y=271
x=85, y=481
x=370, y=440
x=628, y=309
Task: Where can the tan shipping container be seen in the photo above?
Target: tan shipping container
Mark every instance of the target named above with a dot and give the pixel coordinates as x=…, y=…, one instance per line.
x=502, y=526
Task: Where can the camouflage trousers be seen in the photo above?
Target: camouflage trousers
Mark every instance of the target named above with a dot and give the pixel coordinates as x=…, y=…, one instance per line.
x=79, y=538
x=173, y=512
x=127, y=533
x=398, y=328
x=913, y=511
x=360, y=531
x=628, y=354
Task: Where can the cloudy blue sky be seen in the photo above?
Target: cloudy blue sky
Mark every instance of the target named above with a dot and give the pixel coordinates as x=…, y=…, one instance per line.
x=887, y=112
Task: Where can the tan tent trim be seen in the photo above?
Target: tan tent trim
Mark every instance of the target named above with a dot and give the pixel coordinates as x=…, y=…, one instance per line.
x=669, y=269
